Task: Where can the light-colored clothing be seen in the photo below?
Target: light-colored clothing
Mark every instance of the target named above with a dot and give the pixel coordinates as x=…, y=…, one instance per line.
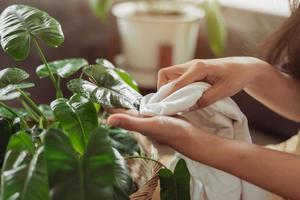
x=223, y=118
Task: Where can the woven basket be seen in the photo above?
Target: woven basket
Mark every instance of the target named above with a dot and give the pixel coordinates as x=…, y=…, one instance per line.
x=144, y=172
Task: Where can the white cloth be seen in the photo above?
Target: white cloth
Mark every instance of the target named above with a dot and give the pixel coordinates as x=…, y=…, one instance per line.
x=223, y=118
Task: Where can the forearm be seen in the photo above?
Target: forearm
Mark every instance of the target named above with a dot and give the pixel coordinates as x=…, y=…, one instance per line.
x=275, y=171
x=278, y=91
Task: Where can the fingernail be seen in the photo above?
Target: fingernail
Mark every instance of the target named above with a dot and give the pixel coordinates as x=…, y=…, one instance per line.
x=114, y=121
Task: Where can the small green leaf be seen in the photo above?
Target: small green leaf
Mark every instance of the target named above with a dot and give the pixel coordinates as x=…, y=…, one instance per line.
x=175, y=186
x=23, y=174
x=10, y=79
x=12, y=76
x=215, y=26
x=63, y=68
x=19, y=24
x=167, y=185
x=8, y=92
x=78, y=117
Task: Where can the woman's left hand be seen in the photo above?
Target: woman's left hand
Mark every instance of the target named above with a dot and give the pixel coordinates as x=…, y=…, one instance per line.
x=165, y=130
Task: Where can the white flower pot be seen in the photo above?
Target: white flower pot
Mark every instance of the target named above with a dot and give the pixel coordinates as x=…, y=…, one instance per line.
x=144, y=36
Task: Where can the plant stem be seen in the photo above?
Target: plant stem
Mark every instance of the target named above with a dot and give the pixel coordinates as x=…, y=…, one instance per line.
x=33, y=106
x=59, y=93
x=145, y=158
x=23, y=122
x=35, y=117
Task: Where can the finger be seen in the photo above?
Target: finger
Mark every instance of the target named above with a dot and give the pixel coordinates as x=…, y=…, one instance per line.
x=210, y=96
x=130, y=112
x=142, y=125
x=167, y=74
x=187, y=78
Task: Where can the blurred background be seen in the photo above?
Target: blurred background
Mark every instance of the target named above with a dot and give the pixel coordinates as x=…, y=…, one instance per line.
x=143, y=44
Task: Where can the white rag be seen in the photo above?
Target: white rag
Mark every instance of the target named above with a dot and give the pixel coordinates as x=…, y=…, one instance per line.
x=223, y=118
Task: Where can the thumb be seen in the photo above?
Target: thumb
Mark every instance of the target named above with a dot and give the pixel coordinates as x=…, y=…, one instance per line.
x=211, y=95
x=133, y=123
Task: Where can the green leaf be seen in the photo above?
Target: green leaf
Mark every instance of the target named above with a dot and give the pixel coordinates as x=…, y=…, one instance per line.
x=123, y=141
x=91, y=176
x=78, y=117
x=126, y=77
x=7, y=128
x=107, y=88
x=21, y=141
x=104, y=63
x=100, y=8
x=175, y=186
x=12, y=76
x=123, y=185
x=63, y=68
x=47, y=111
x=215, y=26
x=9, y=92
x=23, y=174
x=10, y=79
x=167, y=185
x=19, y=24
x=8, y=115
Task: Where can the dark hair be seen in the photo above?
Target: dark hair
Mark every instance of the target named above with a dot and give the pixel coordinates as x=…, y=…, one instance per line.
x=283, y=46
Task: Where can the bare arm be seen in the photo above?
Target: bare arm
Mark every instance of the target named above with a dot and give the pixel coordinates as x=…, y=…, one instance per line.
x=275, y=171
x=278, y=91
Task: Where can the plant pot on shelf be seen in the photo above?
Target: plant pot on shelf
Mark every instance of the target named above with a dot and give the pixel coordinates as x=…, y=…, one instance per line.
x=156, y=35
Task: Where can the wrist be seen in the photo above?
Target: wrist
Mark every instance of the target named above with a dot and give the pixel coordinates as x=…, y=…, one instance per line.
x=259, y=71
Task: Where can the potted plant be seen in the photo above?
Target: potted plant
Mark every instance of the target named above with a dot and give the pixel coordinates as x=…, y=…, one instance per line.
x=159, y=33
x=65, y=150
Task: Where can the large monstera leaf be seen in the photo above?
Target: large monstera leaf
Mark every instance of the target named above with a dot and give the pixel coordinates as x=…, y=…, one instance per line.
x=90, y=176
x=78, y=117
x=175, y=186
x=106, y=87
x=63, y=68
x=19, y=24
x=10, y=81
x=24, y=174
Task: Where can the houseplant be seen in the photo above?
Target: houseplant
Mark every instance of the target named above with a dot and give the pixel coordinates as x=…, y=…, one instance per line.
x=65, y=150
x=159, y=33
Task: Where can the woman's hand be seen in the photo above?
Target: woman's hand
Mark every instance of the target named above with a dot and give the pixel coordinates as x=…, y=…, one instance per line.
x=226, y=75
x=165, y=130
x=248, y=161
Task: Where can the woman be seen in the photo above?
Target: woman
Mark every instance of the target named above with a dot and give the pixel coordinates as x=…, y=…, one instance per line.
x=275, y=171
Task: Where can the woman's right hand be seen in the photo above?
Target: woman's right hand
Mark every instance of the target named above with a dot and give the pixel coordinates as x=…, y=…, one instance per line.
x=226, y=75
